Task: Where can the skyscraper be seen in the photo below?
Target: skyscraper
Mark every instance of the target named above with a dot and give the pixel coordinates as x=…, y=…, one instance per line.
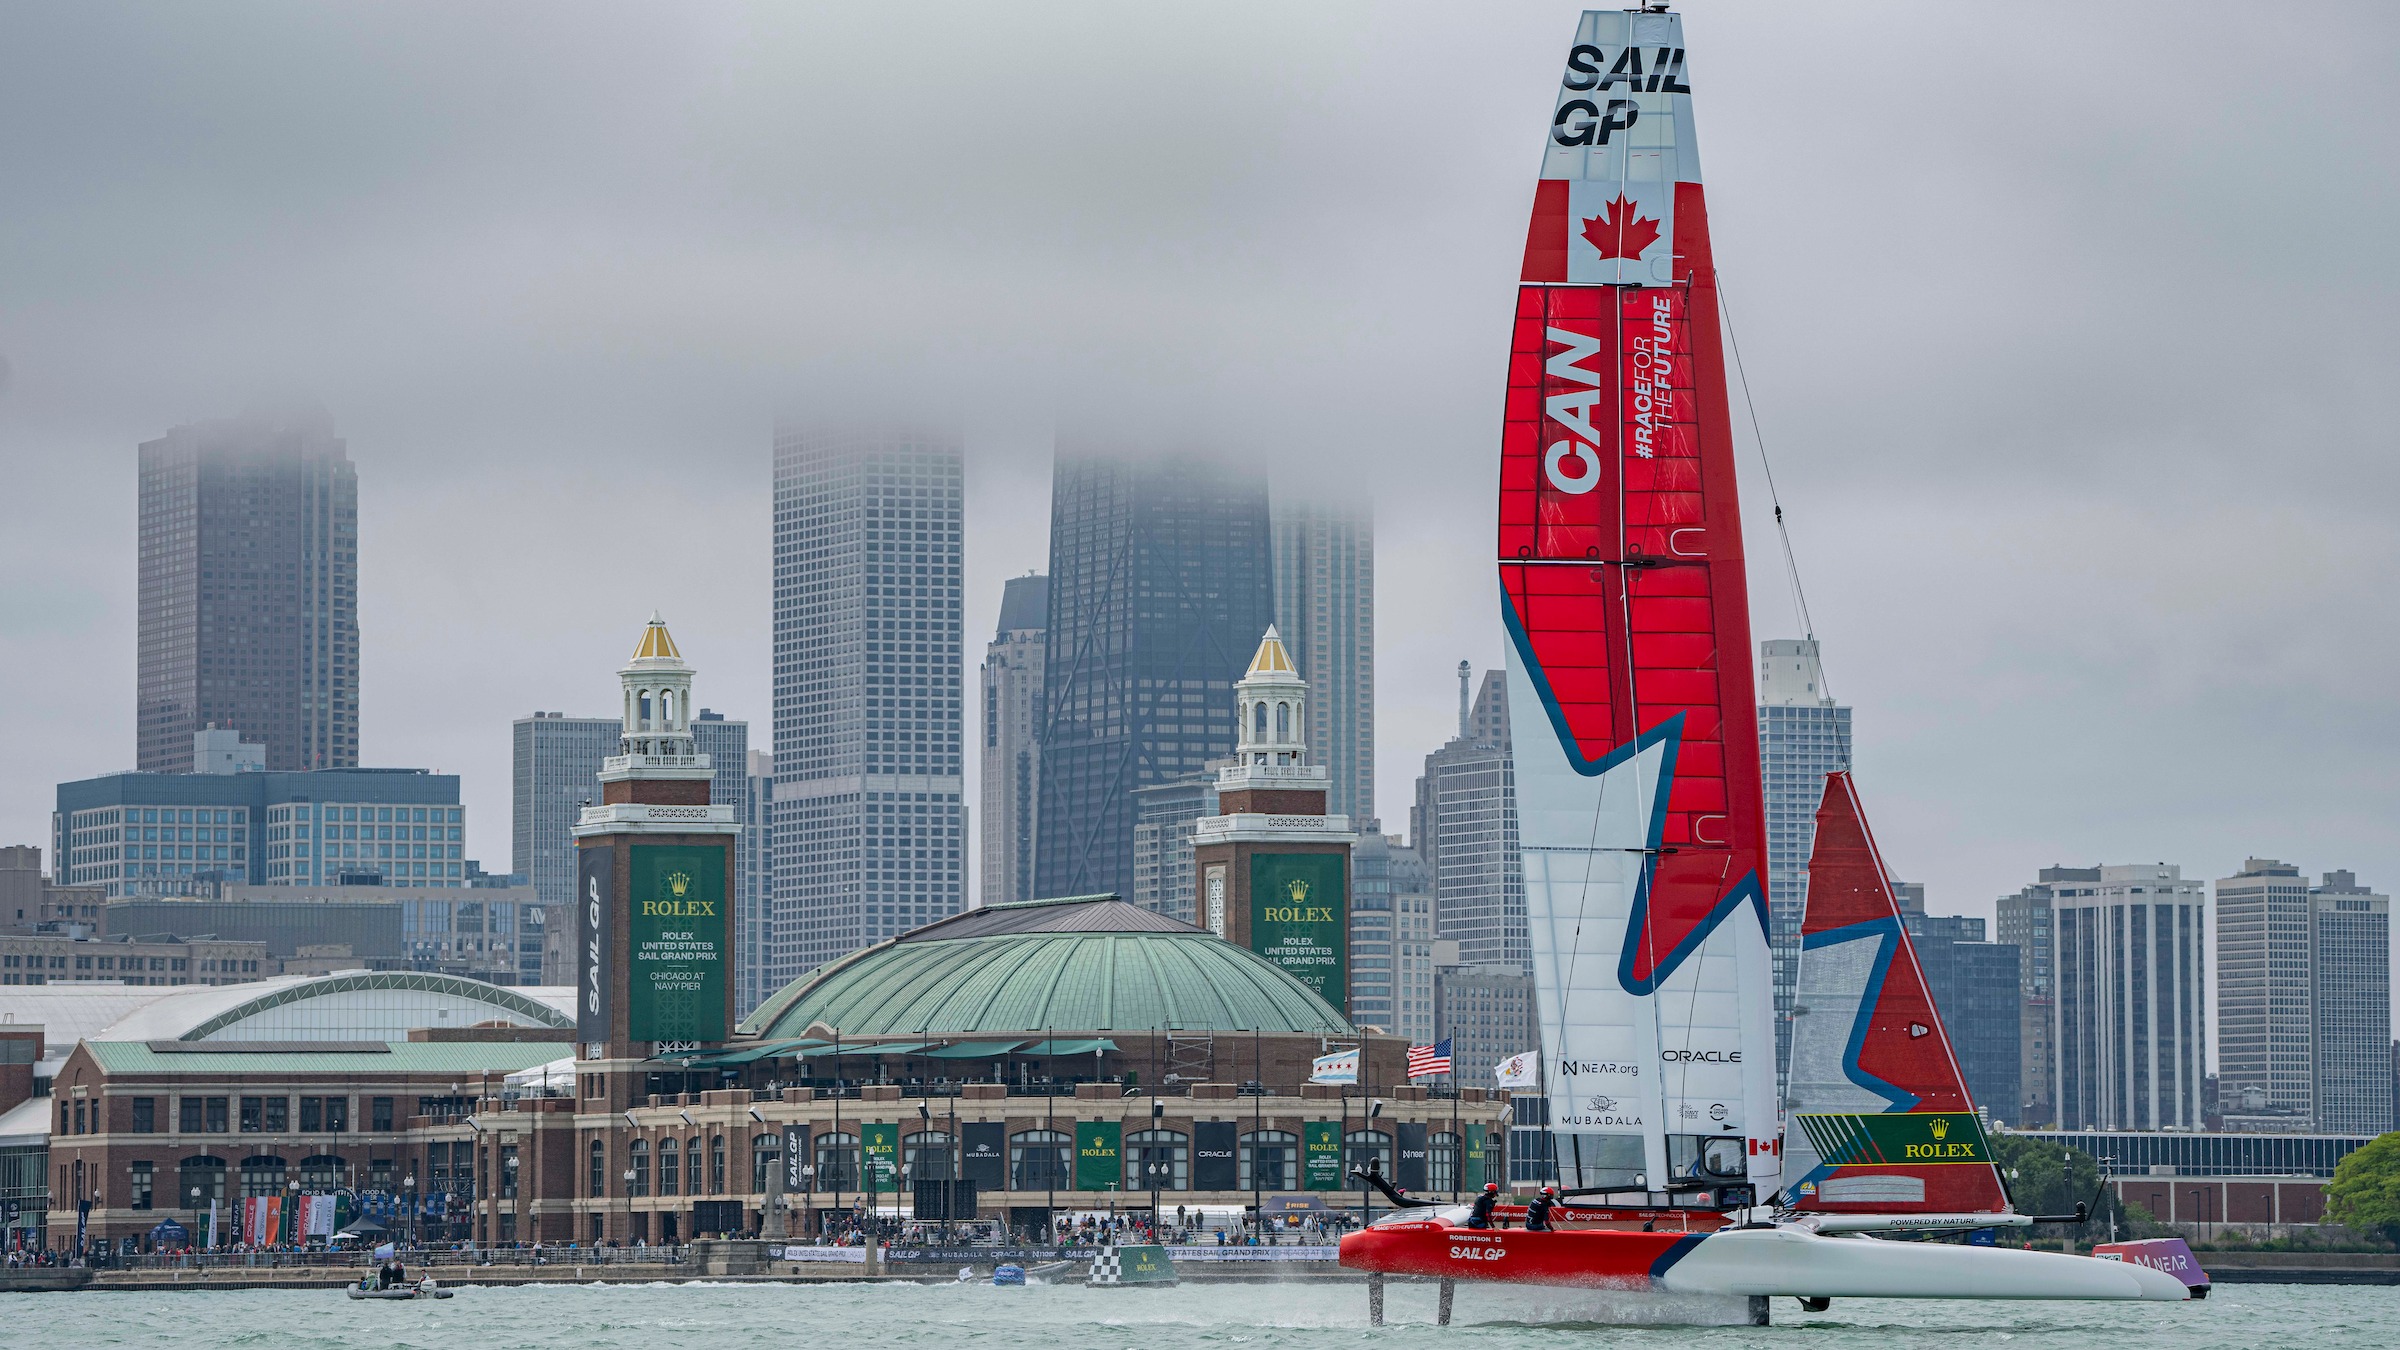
x=2027, y=922
x=2352, y=987
x=753, y=909
x=556, y=762
x=1159, y=588
x=2266, y=1032
x=2131, y=1021
x=1325, y=609
x=1012, y=743
x=1391, y=938
x=1803, y=735
x=1464, y=825
x=249, y=592
x=870, y=789
x=1164, y=815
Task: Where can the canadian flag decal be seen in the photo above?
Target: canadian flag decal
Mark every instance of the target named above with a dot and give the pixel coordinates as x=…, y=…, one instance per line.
x=1620, y=230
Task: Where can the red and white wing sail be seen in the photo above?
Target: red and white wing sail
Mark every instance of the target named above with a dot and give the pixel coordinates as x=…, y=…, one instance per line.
x=1632, y=709
x=1880, y=1117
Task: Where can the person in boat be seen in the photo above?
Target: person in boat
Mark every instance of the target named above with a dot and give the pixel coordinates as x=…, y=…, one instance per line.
x=1481, y=1215
x=1537, y=1214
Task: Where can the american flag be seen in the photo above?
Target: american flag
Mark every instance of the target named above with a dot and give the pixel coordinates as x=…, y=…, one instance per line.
x=1427, y=1060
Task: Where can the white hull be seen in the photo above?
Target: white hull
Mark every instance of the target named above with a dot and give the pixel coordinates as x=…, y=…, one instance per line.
x=1794, y=1262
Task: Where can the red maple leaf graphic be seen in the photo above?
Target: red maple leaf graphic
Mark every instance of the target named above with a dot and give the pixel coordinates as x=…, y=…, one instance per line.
x=1619, y=231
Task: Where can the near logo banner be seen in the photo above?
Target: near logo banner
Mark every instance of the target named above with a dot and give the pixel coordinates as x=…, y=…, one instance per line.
x=1897, y=1139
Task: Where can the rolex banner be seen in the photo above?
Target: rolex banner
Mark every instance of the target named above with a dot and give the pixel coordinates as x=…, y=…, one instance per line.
x=678, y=937
x=1099, y=1154
x=595, y=962
x=1300, y=919
x=1321, y=1156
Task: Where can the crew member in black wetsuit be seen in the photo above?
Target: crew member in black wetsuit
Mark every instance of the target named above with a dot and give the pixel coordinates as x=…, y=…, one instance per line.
x=1537, y=1214
x=1481, y=1215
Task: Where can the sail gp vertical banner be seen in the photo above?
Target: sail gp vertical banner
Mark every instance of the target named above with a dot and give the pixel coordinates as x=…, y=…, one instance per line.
x=595, y=892
x=677, y=931
x=1300, y=919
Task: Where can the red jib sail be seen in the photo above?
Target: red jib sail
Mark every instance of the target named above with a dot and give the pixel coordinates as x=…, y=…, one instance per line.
x=1880, y=1117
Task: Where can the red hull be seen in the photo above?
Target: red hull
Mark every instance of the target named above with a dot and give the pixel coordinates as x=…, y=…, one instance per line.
x=1605, y=1258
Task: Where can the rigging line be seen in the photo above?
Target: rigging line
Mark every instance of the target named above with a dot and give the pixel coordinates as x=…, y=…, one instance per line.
x=1791, y=561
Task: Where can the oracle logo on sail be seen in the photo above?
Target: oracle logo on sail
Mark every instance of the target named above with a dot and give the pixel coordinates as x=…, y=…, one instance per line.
x=1701, y=1056
x=1572, y=410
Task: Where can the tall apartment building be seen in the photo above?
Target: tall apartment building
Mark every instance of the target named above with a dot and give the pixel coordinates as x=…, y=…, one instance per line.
x=1325, y=609
x=2131, y=1018
x=248, y=592
x=1012, y=739
x=870, y=811
x=2266, y=1024
x=2352, y=987
x=753, y=904
x=2027, y=922
x=1803, y=735
x=555, y=772
x=1464, y=824
x=1391, y=937
x=151, y=834
x=1486, y=1011
x=1164, y=817
x=1159, y=588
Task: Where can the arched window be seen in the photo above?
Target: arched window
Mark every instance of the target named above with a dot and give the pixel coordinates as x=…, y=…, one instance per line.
x=766, y=1154
x=599, y=1176
x=320, y=1173
x=1269, y=1161
x=1370, y=1149
x=638, y=1158
x=643, y=700
x=691, y=1161
x=262, y=1175
x=200, y=1182
x=670, y=1167
x=716, y=1165
x=1283, y=721
x=926, y=1155
x=837, y=1162
x=1158, y=1159
x=1037, y=1161
x=1441, y=1163
x=1258, y=720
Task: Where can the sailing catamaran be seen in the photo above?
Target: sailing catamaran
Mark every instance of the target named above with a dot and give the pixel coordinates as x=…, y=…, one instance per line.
x=1639, y=810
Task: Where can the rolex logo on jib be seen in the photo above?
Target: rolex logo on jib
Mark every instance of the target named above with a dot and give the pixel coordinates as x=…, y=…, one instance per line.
x=1939, y=1126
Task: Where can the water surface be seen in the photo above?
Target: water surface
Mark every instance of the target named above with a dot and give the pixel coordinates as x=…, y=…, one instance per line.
x=1293, y=1316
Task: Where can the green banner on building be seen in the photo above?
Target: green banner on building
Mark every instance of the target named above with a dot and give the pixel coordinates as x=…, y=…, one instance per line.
x=1320, y=1156
x=1472, y=1174
x=1099, y=1155
x=1896, y=1139
x=678, y=943
x=1300, y=919
x=880, y=1147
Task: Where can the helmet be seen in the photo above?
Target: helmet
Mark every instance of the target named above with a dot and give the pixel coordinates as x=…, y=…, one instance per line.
x=1491, y=1185
x=1550, y=1190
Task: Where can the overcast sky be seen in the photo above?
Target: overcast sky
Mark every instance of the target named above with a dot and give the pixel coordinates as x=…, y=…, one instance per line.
x=2070, y=326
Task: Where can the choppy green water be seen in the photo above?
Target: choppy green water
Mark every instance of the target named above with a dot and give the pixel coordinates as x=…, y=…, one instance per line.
x=1218, y=1316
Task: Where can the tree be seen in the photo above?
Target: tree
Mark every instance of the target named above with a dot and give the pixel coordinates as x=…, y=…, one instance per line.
x=2048, y=1178
x=2365, y=1193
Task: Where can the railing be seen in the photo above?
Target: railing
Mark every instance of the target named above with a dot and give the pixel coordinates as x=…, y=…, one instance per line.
x=411, y=1257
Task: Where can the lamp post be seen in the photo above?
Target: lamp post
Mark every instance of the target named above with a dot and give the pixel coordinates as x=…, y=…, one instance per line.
x=1158, y=1111
x=628, y=1204
x=291, y=1202
x=415, y=1223
x=508, y=1181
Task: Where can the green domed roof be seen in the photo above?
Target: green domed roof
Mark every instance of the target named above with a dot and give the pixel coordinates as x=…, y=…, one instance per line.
x=1079, y=965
